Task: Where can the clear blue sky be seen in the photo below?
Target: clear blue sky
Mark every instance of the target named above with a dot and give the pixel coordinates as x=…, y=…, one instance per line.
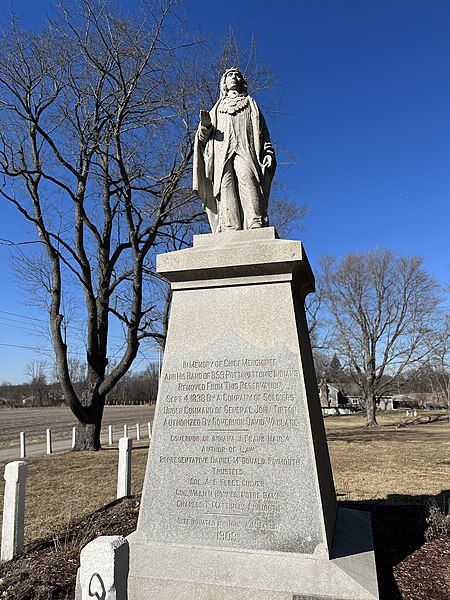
x=365, y=91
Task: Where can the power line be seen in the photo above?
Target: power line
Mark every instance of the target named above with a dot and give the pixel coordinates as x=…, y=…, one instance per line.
x=70, y=352
x=45, y=350
x=14, y=323
x=5, y=312
x=72, y=328
x=26, y=347
x=18, y=322
x=23, y=328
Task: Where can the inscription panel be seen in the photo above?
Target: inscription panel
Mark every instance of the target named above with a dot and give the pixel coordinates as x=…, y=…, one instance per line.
x=231, y=459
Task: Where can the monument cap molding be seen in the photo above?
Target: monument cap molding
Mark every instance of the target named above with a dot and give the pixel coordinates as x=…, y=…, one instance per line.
x=238, y=258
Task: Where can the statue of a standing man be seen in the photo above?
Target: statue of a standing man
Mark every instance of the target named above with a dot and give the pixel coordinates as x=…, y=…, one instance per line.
x=234, y=160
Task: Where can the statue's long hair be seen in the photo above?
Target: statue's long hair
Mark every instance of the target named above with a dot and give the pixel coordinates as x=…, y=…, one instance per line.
x=224, y=89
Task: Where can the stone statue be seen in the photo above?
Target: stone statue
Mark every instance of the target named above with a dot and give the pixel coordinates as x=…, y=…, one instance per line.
x=234, y=160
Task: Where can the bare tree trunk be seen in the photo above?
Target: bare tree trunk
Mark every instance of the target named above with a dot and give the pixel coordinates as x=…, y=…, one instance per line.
x=88, y=430
x=88, y=436
x=369, y=399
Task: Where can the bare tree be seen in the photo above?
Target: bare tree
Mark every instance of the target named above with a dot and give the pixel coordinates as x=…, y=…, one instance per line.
x=380, y=307
x=97, y=120
x=438, y=364
x=36, y=372
x=137, y=388
x=95, y=144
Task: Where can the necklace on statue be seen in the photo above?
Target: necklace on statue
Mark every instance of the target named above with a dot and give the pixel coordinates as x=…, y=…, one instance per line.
x=233, y=104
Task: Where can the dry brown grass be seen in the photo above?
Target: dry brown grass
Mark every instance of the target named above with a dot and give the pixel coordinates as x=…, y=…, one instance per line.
x=399, y=465
x=67, y=486
x=386, y=462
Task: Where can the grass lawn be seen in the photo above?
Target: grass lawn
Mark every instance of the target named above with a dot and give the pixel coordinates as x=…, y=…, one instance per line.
x=386, y=463
x=397, y=464
x=66, y=486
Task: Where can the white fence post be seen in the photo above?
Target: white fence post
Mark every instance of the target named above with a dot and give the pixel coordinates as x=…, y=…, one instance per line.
x=125, y=431
x=149, y=430
x=110, y=435
x=124, y=468
x=13, y=509
x=23, y=448
x=104, y=568
x=138, y=431
x=49, y=441
x=74, y=437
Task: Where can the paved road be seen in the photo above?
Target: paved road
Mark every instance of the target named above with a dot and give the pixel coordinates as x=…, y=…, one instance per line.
x=13, y=453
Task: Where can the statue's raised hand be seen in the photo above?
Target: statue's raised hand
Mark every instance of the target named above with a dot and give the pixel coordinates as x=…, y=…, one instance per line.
x=205, y=118
x=267, y=162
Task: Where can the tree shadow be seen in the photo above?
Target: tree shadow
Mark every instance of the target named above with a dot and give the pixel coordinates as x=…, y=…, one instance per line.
x=382, y=434
x=116, y=449
x=398, y=527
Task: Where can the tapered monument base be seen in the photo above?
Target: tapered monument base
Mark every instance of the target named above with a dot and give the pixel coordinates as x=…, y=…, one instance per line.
x=238, y=500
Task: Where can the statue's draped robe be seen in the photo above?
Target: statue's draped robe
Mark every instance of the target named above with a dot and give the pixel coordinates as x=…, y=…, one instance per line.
x=241, y=131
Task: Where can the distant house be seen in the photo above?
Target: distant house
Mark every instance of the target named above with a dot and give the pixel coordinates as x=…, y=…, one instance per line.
x=333, y=401
x=356, y=402
x=393, y=402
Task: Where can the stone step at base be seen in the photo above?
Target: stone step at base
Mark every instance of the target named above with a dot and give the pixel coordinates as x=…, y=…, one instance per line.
x=157, y=589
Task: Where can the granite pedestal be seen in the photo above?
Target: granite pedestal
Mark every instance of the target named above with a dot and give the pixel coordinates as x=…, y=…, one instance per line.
x=238, y=500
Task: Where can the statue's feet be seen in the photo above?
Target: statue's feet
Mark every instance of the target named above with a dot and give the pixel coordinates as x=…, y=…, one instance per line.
x=232, y=228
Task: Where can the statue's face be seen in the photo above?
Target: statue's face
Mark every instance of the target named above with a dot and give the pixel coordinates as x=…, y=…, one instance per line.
x=233, y=81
